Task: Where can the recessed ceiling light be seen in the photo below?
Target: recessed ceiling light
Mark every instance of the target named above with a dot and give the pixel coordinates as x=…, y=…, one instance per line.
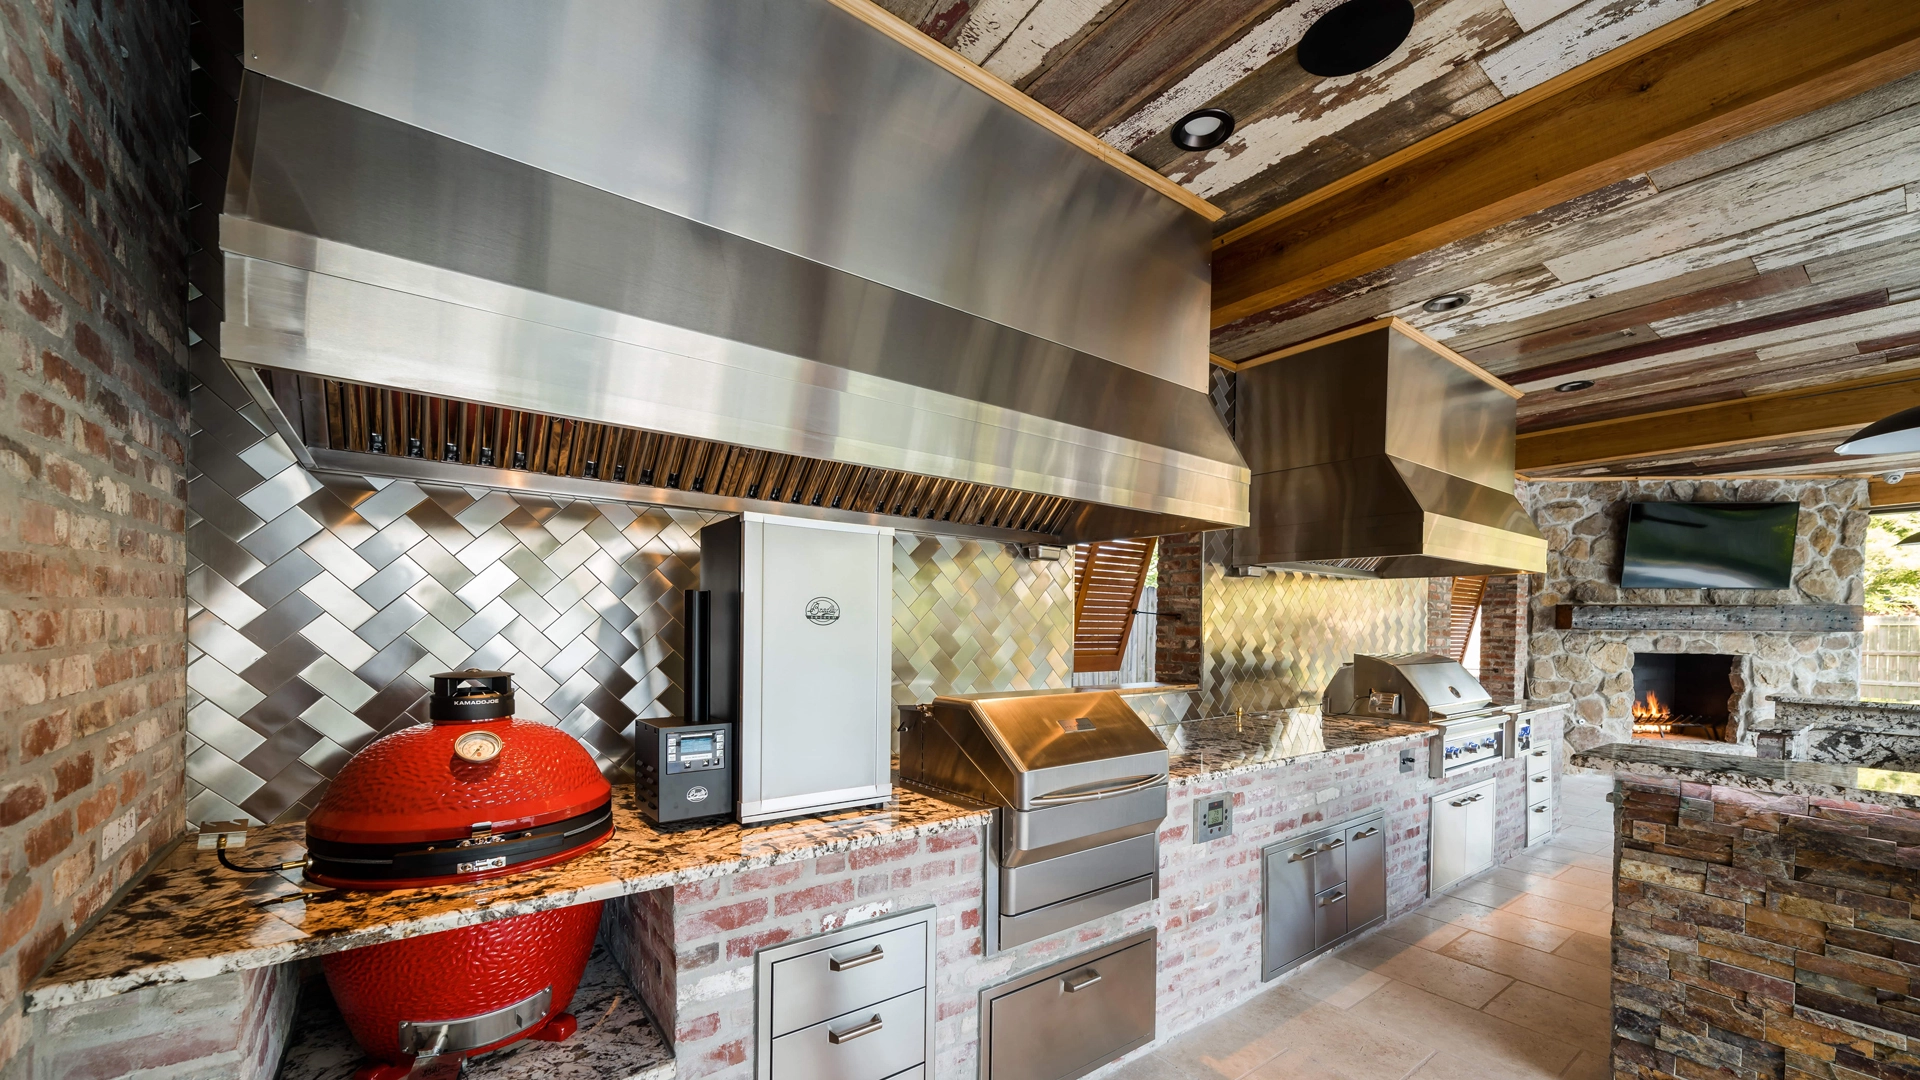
x=1450, y=302
x=1577, y=384
x=1203, y=129
x=1355, y=36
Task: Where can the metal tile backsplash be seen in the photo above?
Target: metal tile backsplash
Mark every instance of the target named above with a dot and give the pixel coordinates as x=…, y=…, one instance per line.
x=318, y=607
x=1274, y=642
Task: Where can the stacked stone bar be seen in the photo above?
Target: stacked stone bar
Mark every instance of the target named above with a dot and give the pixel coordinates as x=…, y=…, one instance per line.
x=1762, y=935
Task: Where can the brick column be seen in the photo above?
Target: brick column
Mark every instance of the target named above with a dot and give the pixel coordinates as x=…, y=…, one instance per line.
x=1503, y=636
x=1176, y=632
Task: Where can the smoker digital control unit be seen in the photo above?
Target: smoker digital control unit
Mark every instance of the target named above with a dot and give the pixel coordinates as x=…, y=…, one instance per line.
x=681, y=769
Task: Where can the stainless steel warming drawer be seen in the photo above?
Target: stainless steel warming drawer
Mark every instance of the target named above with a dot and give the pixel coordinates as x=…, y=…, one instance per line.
x=1080, y=787
x=1070, y=1018
x=855, y=1004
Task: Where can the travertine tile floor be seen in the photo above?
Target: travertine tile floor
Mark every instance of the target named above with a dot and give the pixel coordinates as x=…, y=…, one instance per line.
x=1502, y=977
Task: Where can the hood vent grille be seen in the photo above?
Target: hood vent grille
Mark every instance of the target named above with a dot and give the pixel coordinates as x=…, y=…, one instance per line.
x=398, y=424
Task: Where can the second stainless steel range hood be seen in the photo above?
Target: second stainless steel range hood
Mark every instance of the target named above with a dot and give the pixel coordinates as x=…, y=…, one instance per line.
x=1378, y=453
x=769, y=226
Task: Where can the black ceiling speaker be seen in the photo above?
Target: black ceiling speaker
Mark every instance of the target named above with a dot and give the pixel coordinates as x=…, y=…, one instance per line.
x=1355, y=36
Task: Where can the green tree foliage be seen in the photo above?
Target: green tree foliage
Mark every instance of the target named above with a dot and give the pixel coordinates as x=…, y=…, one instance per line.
x=1893, y=571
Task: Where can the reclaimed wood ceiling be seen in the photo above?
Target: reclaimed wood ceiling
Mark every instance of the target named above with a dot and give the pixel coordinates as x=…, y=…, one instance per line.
x=1769, y=265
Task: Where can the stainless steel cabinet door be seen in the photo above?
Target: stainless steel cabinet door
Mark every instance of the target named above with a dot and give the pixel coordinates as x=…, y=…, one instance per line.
x=1366, y=873
x=1288, y=933
x=1460, y=823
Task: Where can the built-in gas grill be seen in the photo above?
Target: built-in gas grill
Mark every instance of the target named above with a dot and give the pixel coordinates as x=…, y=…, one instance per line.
x=1428, y=688
x=1081, y=787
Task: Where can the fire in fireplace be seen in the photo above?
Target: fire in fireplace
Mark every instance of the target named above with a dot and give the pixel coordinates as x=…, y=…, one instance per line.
x=1683, y=696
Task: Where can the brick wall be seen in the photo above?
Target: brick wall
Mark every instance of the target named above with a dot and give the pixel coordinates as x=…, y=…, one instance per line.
x=1176, y=630
x=1503, y=637
x=232, y=1026
x=93, y=415
x=1762, y=935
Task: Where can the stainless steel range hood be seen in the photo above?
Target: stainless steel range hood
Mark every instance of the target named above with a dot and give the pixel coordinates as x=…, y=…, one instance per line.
x=767, y=225
x=1377, y=452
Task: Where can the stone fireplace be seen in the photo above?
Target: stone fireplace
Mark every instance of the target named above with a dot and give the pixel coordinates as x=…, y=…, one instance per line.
x=1779, y=647
x=1687, y=696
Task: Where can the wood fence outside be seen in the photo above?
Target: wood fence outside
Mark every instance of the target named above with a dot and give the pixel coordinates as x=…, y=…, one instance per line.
x=1890, y=658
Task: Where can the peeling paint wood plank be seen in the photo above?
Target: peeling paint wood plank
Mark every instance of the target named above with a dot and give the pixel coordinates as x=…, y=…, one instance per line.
x=1012, y=38
x=1774, y=303
x=1599, y=323
x=1134, y=53
x=1871, y=105
x=1870, y=158
x=1894, y=257
x=1870, y=234
x=1449, y=34
x=1572, y=39
x=1533, y=14
x=1267, y=40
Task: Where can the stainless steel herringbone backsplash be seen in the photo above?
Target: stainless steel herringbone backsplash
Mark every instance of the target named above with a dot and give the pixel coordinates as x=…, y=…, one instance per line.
x=1274, y=642
x=971, y=617
x=318, y=607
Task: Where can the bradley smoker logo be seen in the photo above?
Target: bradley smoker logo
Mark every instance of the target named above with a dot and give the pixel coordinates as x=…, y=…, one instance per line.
x=822, y=610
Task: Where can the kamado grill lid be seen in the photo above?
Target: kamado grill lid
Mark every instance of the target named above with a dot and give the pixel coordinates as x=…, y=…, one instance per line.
x=474, y=794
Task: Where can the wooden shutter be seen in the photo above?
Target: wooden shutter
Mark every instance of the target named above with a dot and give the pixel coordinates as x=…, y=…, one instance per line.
x=1467, y=593
x=1107, y=579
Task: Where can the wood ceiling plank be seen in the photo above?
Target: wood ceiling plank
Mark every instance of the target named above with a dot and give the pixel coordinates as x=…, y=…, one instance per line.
x=1871, y=105
x=1838, y=408
x=1138, y=51
x=1484, y=338
x=891, y=25
x=1733, y=331
x=1727, y=70
x=1604, y=331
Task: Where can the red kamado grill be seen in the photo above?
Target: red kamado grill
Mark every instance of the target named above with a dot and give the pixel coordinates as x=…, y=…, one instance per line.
x=475, y=794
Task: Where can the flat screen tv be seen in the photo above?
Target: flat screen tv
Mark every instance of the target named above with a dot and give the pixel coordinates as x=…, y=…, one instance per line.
x=1709, y=545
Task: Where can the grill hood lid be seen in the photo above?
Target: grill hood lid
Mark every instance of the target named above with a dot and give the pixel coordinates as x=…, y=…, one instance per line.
x=769, y=224
x=1378, y=452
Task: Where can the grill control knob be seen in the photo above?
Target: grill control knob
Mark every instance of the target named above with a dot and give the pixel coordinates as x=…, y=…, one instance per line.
x=477, y=746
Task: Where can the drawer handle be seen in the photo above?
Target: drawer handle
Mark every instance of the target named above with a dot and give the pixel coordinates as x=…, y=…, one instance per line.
x=1364, y=833
x=1468, y=799
x=1307, y=854
x=1074, y=986
x=1325, y=900
x=1331, y=844
x=1539, y=809
x=852, y=1033
x=836, y=964
x=1539, y=753
x=1540, y=779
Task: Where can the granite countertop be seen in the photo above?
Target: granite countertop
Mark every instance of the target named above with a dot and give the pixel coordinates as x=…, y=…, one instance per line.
x=1874, y=717
x=1880, y=787
x=190, y=918
x=1911, y=708
x=1223, y=745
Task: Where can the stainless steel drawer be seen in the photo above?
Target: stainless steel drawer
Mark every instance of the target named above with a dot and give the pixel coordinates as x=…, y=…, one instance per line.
x=1025, y=888
x=1014, y=930
x=1330, y=916
x=1030, y=835
x=871, y=1043
x=1070, y=1018
x=1539, y=821
x=828, y=982
x=1539, y=786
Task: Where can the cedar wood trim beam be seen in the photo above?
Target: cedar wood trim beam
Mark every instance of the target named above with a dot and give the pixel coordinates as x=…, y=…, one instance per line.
x=1838, y=409
x=1726, y=70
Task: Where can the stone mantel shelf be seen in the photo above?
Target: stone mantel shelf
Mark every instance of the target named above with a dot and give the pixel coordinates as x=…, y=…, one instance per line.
x=1730, y=618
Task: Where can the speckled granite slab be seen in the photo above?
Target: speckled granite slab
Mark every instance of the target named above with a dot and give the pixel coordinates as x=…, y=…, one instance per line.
x=1881, y=787
x=1224, y=745
x=191, y=918
x=616, y=1041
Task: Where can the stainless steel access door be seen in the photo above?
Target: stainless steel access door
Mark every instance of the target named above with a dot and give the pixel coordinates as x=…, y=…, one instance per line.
x=1070, y=1018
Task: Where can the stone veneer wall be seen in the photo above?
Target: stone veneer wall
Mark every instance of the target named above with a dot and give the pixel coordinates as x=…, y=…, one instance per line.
x=1760, y=935
x=1584, y=524
x=699, y=979
x=93, y=500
